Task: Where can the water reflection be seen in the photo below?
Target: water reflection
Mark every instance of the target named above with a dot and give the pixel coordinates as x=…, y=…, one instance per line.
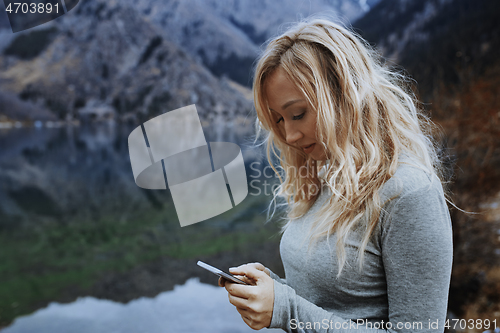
x=73, y=223
x=82, y=172
x=190, y=308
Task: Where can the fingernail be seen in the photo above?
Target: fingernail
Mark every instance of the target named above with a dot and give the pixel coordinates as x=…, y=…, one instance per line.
x=232, y=268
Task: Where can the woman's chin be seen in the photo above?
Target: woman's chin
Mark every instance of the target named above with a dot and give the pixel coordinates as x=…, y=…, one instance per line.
x=318, y=155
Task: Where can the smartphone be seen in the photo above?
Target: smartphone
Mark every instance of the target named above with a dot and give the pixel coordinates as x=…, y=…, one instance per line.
x=220, y=273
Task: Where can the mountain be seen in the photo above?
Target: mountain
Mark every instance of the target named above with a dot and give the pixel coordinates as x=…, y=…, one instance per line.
x=134, y=59
x=226, y=35
x=450, y=48
x=436, y=40
x=115, y=64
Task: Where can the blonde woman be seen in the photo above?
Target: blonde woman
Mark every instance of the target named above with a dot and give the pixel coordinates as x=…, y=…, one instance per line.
x=368, y=243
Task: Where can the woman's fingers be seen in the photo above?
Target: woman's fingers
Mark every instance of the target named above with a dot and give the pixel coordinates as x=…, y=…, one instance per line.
x=257, y=265
x=239, y=290
x=238, y=302
x=247, y=321
x=242, y=278
x=251, y=322
x=222, y=282
x=261, y=267
x=247, y=318
x=254, y=303
x=243, y=312
x=250, y=271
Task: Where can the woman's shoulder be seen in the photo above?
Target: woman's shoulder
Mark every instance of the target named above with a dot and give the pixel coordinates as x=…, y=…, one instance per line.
x=414, y=200
x=411, y=177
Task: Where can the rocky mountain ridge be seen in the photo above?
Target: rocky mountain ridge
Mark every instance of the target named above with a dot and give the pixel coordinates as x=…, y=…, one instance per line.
x=119, y=66
x=226, y=35
x=133, y=59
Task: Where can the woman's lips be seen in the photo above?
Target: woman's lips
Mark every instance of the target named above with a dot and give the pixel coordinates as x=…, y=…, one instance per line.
x=309, y=148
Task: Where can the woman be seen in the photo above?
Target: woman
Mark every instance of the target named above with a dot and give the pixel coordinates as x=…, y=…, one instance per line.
x=368, y=244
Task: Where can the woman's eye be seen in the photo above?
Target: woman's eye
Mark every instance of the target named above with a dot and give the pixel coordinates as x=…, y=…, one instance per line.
x=299, y=116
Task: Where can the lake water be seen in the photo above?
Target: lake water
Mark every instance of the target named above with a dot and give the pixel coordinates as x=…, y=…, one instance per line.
x=190, y=308
x=75, y=228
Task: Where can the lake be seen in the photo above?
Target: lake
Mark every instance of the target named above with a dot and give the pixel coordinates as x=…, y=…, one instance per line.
x=77, y=232
x=192, y=307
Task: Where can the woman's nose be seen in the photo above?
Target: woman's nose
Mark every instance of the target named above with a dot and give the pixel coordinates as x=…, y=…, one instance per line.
x=292, y=134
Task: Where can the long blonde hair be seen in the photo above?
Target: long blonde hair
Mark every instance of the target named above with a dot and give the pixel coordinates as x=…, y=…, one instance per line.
x=366, y=118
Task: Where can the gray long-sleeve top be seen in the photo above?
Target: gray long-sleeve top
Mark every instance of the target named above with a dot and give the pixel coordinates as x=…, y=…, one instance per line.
x=406, y=272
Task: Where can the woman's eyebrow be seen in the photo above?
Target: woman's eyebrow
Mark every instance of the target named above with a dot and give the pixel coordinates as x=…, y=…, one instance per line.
x=287, y=104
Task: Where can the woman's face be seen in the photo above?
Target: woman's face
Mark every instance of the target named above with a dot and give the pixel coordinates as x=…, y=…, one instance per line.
x=293, y=114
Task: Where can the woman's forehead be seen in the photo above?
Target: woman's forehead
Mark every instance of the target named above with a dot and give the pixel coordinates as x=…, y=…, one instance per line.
x=280, y=91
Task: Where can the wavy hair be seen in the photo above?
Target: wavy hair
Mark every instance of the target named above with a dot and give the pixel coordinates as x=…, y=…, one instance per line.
x=366, y=118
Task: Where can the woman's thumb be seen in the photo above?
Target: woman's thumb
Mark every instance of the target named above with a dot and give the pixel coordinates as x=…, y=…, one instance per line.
x=249, y=270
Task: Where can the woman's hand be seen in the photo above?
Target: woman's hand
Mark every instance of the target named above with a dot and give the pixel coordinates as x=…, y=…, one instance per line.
x=257, y=265
x=255, y=302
